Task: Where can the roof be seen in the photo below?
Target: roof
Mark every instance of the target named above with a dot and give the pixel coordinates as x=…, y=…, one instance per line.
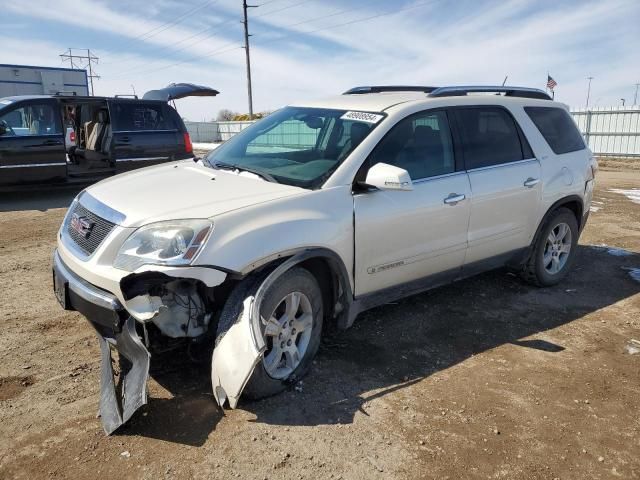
x=378, y=100
x=374, y=102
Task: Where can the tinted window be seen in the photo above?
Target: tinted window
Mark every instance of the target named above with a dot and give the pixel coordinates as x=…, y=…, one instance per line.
x=421, y=144
x=557, y=128
x=39, y=119
x=136, y=116
x=489, y=137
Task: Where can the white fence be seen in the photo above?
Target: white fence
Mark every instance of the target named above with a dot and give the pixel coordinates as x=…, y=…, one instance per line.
x=214, y=131
x=613, y=131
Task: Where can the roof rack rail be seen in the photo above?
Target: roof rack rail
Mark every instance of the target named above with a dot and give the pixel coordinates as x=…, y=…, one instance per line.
x=388, y=88
x=127, y=95
x=69, y=93
x=523, y=92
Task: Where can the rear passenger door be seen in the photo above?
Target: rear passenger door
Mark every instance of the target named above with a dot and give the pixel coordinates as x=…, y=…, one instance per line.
x=32, y=143
x=144, y=134
x=505, y=184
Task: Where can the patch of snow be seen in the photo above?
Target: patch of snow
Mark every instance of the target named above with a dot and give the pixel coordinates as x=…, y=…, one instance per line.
x=618, y=252
x=597, y=202
x=205, y=146
x=615, y=251
x=633, y=194
x=593, y=208
x=634, y=273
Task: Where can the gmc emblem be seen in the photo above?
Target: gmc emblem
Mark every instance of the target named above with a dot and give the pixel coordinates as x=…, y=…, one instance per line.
x=82, y=225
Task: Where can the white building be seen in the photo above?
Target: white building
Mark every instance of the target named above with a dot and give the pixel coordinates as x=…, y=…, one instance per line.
x=32, y=80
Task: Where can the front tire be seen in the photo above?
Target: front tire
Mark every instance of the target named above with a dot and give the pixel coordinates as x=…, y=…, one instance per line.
x=554, y=250
x=291, y=315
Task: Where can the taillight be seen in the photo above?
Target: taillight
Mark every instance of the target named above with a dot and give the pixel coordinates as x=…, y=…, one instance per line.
x=72, y=137
x=188, y=147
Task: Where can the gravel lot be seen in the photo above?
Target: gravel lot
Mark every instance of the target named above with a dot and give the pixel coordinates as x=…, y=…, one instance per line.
x=487, y=378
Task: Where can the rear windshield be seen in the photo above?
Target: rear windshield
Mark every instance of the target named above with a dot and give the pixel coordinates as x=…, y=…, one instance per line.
x=296, y=145
x=557, y=127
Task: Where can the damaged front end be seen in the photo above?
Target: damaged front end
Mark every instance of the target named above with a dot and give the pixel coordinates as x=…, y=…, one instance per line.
x=160, y=312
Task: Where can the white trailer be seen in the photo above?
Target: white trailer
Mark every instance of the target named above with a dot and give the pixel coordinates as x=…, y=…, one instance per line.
x=33, y=80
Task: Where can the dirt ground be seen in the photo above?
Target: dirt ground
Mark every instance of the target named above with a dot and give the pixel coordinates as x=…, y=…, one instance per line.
x=487, y=378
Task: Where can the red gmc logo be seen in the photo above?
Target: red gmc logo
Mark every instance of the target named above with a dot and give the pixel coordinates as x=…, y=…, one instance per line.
x=82, y=225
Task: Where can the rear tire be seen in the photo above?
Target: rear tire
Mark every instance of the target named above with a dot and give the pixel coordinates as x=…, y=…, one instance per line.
x=554, y=251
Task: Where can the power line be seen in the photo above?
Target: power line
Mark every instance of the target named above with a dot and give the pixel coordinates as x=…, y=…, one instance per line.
x=70, y=57
x=351, y=22
x=167, y=25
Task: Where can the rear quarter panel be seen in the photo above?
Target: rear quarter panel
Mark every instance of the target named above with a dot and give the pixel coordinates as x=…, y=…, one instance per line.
x=562, y=175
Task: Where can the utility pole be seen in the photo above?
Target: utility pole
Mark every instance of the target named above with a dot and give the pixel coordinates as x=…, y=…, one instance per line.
x=89, y=58
x=589, y=90
x=246, y=51
x=635, y=95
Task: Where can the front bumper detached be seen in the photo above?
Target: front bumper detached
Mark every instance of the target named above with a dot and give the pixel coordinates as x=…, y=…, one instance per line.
x=115, y=330
x=134, y=371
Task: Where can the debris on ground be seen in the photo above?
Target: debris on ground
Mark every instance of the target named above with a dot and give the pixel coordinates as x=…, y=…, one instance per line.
x=633, y=347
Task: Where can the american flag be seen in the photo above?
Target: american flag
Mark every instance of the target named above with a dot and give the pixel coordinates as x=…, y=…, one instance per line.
x=551, y=83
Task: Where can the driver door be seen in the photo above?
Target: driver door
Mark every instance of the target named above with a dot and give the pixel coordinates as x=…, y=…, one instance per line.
x=32, y=145
x=407, y=236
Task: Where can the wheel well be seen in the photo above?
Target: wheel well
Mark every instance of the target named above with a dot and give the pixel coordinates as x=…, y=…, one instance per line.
x=574, y=205
x=321, y=270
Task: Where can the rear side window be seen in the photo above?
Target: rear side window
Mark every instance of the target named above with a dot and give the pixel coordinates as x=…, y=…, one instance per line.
x=557, y=127
x=489, y=137
x=137, y=117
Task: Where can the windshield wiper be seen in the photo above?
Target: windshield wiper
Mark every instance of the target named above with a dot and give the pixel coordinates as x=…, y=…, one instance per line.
x=228, y=166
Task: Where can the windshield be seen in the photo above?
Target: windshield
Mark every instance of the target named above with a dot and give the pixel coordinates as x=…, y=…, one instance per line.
x=296, y=146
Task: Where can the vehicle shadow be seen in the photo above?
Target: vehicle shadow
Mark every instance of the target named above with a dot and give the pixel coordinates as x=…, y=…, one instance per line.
x=397, y=345
x=41, y=198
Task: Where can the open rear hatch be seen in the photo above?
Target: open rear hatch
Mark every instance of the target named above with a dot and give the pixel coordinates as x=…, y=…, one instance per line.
x=175, y=91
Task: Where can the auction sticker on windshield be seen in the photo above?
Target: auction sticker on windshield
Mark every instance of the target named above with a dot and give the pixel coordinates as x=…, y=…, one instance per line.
x=362, y=117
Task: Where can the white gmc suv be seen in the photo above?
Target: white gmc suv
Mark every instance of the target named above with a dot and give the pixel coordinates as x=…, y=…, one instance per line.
x=312, y=215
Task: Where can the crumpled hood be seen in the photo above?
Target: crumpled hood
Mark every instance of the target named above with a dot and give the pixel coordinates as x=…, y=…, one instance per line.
x=183, y=189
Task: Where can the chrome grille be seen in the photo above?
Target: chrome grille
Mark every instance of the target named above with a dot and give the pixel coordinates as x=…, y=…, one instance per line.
x=100, y=229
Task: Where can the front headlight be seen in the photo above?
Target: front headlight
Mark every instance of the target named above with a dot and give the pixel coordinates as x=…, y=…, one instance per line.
x=164, y=243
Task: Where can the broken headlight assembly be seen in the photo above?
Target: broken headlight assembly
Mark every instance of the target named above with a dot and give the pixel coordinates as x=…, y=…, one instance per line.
x=171, y=243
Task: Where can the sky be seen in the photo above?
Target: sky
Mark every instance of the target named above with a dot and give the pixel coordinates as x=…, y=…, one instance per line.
x=309, y=49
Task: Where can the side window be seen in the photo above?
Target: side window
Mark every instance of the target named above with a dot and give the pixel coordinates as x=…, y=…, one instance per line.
x=137, y=117
x=30, y=120
x=489, y=137
x=421, y=144
x=557, y=127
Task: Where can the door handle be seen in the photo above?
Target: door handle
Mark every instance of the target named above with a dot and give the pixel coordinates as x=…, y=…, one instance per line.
x=531, y=182
x=124, y=139
x=52, y=142
x=454, y=198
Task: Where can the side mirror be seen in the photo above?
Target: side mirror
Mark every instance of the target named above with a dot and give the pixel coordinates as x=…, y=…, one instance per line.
x=387, y=177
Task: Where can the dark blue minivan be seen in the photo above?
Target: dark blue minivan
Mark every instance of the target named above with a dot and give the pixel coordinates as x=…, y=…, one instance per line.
x=104, y=135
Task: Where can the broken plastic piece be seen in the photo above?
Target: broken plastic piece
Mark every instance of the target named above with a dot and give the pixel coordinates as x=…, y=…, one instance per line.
x=114, y=411
x=234, y=358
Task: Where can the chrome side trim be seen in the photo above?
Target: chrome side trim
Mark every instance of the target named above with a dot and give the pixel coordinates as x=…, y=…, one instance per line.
x=83, y=288
x=100, y=209
x=517, y=162
x=166, y=130
x=56, y=164
x=141, y=159
x=437, y=177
